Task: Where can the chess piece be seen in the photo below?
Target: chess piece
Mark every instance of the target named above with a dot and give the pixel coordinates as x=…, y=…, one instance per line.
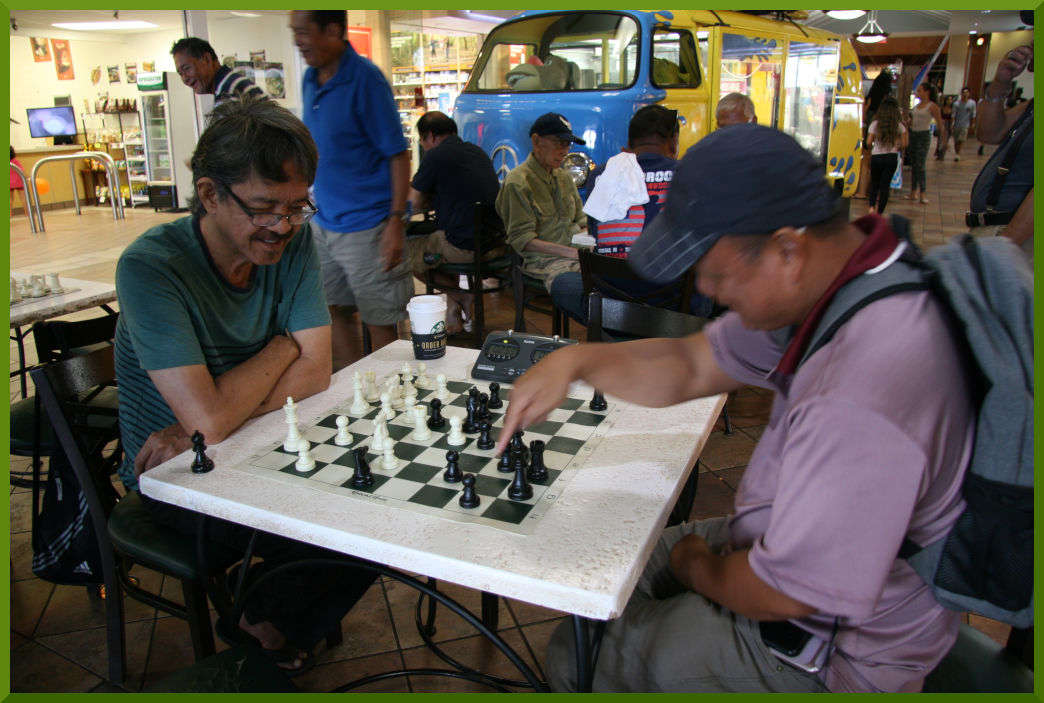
x=494, y=397
x=380, y=436
x=423, y=380
x=386, y=407
x=38, y=288
x=389, y=462
x=408, y=388
x=485, y=440
x=435, y=419
x=202, y=463
x=359, y=405
x=441, y=391
x=482, y=410
x=304, y=462
x=537, y=470
x=452, y=474
x=520, y=488
x=406, y=372
x=343, y=437
x=421, y=431
x=16, y=292
x=53, y=284
x=409, y=404
x=370, y=390
x=469, y=498
x=598, y=401
x=456, y=436
x=391, y=388
x=470, y=424
x=293, y=432
x=362, y=476
x=504, y=465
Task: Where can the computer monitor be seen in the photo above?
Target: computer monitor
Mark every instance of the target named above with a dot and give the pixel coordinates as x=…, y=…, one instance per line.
x=51, y=121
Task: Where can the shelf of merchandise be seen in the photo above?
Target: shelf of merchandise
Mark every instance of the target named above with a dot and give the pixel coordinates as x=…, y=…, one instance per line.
x=434, y=79
x=129, y=148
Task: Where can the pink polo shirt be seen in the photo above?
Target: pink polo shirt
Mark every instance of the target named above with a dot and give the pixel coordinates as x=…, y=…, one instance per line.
x=867, y=443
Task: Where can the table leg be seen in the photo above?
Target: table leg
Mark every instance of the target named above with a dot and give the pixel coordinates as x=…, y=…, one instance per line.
x=19, y=338
x=490, y=611
x=587, y=646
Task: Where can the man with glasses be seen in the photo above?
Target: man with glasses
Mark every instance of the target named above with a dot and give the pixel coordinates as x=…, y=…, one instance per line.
x=222, y=317
x=540, y=205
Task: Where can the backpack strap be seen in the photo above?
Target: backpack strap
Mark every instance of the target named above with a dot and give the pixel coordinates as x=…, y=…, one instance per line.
x=1017, y=135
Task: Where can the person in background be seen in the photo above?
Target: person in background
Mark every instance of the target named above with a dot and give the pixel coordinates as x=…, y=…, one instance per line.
x=963, y=120
x=922, y=115
x=947, y=114
x=735, y=108
x=360, y=186
x=886, y=138
x=197, y=64
x=17, y=184
x=452, y=177
x=879, y=90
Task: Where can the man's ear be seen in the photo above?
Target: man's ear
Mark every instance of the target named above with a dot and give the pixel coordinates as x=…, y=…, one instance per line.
x=792, y=243
x=207, y=193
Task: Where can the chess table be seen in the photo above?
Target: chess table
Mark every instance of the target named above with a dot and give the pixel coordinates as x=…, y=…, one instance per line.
x=583, y=557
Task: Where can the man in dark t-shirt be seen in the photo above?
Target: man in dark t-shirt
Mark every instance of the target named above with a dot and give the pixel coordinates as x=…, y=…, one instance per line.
x=453, y=175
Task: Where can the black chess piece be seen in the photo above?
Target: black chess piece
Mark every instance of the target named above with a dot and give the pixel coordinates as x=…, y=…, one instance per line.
x=598, y=401
x=202, y=463
x=520, y=488
x=483, y=407
x=473, y=392
x=516, y=445
x=435, y=419
x=469, y=498
x=504, y=465
x=470, y=424
x=485, y=440
x=537, y=470
x=362, y=476
x=494, y=397
x=452, y=474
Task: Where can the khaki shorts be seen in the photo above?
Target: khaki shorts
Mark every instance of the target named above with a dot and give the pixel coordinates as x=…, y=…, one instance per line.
x=436, y=243
x=547, y=268
x=353, y=275
x=960, y=134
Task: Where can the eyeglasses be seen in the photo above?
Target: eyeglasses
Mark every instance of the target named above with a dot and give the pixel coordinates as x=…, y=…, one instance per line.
x=272, y=219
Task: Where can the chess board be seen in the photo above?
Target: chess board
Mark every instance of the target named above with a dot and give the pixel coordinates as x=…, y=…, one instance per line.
x=27, y=299
x=570, y=433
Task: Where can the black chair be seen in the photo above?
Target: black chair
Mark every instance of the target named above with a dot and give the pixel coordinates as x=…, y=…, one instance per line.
x=528, y=289
x=126, y=532
x=978, y=664
x=240, y=669
x=479, y=269
x=608, y=274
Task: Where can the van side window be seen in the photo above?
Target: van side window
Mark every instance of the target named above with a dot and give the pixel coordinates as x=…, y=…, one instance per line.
x=674, y=63
x=809, y=88
x=753, y=66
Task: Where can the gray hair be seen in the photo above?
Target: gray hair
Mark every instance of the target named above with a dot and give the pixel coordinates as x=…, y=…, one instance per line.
x=734, y=108
x=247, y=137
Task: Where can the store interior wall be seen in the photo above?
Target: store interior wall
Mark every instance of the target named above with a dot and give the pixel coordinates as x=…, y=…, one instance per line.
x=238, y=36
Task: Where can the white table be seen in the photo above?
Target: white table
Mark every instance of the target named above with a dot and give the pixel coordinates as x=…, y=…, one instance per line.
x=585, y=554
x=80, y=295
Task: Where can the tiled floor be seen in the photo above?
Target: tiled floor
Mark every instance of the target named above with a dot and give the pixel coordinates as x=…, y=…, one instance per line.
x=58, y=634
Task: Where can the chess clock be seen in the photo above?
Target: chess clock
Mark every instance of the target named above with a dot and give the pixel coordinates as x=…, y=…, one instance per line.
x=507, y=355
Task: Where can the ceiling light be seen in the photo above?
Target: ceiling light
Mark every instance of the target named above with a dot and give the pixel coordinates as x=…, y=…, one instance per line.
x=845, y=14
x=105, y=26
x=243, y=14
x=980, y=41
x=871, y=33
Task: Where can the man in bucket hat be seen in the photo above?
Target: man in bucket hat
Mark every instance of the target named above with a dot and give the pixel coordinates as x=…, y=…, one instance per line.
x=800, y=589
x=540, y=205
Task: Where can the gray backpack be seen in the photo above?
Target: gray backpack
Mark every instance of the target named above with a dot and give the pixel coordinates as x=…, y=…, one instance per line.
x=985, y=563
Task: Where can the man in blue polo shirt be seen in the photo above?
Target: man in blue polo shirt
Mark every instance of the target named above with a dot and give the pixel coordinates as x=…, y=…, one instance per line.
x=360, y=185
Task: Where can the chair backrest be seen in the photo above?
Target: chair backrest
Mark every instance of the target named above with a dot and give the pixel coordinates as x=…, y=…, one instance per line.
x=610, y=275
x=57, y=339
x=489, y=230
x=636, y=320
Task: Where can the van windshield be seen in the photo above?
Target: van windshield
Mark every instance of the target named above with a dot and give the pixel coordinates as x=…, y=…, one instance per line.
x=568, y=51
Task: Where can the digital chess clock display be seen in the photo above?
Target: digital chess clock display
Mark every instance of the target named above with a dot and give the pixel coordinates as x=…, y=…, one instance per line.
x=542, y=351
x=502, y=350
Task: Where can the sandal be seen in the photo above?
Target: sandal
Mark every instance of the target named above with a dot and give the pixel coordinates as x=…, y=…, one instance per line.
x=924, y=200
x=289, y=655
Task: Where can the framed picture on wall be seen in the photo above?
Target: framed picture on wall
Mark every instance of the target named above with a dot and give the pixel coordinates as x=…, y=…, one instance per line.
x=63, y=65
x=257, y=58
x=41, y=51
x=114, y=74
x=132, y=72
x=148, y=66
x=275, y=80
x=96, y=75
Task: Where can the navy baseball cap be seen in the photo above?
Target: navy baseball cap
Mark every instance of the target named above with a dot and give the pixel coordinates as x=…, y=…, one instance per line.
x=741, y=179
x=552, y=124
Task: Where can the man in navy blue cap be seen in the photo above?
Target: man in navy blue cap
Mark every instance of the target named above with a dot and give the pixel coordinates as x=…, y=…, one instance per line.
x=800, y=589
x=540, y=205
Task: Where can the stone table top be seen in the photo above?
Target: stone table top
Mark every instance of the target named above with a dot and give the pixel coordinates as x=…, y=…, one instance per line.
x=584, y=556
x=79, y=295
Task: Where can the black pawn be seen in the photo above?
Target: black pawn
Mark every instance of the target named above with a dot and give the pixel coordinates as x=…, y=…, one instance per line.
x=494, y=397
x=473, y=392
x=452, y=474
x=202, y=463
x=435, y=419
x=515, y=445
x=485, y=440
x=483, y=407
x=469, y=498
x=598, y=401
x=520, y=488
x=470, y=424
x=537, y=470
x=504, y=465
x=362, y=476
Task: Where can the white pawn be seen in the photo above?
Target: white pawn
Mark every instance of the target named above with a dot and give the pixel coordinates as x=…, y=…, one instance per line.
x=422, y=377
x=407, y=373
x=408, y=388
x=420, y=431
x=409, y=404
x=391, y=387
x=359, y=404
x=441, y=392
x=456, y=434
x=344, y=437
x=387, y=412
x=304, y=462
x=371, y=392
x=390, y=463
x=380, y=432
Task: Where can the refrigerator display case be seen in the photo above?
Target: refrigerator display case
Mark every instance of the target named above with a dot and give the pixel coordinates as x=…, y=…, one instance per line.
x=168, y=127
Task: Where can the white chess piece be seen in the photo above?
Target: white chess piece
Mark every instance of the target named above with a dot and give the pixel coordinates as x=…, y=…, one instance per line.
x=407, y=372
x=423, y=381
x=293, y=432
x=408, y=388
x=371, y=392
x=16, y=292
x=391, y=387
x=359, y=404
x=456, y=435
x=380, y=433
x=53, y=283
x=441, y=392
x=386, y=407
x=421, y=431
x=304, y=462
x=344, y=437
x=389, y=462
x=409, y=404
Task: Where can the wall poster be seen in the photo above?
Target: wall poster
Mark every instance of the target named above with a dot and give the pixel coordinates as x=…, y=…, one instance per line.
x=63, y=65
x=114, y=74
x=132, y=72
x=41, y=51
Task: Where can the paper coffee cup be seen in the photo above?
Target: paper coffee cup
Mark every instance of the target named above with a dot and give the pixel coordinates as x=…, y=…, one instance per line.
x=428, y=325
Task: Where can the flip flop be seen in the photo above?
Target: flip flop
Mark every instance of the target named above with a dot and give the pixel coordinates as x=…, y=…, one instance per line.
x=284, y=658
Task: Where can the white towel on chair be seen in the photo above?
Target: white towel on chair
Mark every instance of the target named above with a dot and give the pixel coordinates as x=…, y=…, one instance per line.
x=620, y=186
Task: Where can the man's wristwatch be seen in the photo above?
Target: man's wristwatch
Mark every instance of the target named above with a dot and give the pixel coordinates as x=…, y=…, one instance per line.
x=403, y=215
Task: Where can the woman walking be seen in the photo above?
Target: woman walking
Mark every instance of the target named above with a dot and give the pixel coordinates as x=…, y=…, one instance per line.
x=886, y=136
x=946, y=109
x=921, y=118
